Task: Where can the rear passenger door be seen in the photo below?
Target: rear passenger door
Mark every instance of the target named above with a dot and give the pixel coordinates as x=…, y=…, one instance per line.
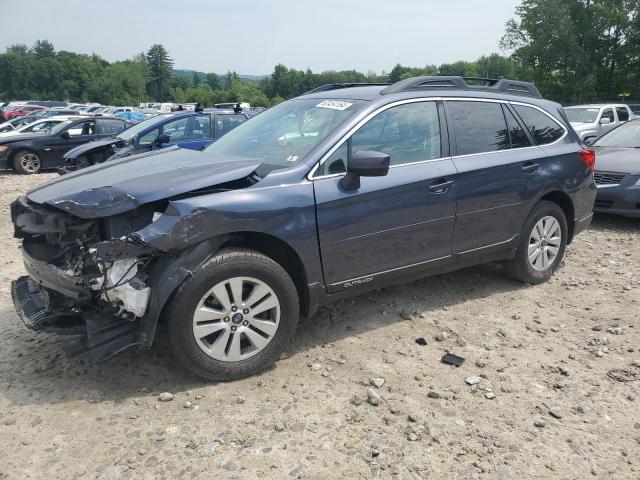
x=500, y=172
x=393, y=223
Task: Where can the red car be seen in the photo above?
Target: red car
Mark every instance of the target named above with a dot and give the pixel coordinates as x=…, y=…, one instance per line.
x=20, y=111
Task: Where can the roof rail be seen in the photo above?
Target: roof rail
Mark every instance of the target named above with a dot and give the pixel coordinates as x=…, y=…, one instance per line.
x=338, y=86
x=513, y=87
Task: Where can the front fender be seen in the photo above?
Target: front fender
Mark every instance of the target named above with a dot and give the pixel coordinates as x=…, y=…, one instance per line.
x=165, y=275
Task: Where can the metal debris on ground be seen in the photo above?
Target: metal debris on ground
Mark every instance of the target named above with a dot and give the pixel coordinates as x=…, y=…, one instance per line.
x=452, y=359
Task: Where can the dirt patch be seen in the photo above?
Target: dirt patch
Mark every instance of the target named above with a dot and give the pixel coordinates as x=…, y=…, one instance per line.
x=542, y=405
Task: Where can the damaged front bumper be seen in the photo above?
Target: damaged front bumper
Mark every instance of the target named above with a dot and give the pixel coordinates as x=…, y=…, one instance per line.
x=78, y=285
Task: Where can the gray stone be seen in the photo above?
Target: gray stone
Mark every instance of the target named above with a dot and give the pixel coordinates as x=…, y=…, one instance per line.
x=377, y=382
x=166, y=397
x=473, y=379
x=539, y=422
x=555, y=412
x=372, y=397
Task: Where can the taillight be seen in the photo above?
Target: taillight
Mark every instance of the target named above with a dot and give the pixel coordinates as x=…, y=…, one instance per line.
x=588, y=156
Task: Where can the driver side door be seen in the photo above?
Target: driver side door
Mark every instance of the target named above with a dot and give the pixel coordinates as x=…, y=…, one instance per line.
x=56, y=146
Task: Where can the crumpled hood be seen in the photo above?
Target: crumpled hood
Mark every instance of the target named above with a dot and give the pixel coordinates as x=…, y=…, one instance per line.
x=87, y=147
x=618, y=160
x=121, y=185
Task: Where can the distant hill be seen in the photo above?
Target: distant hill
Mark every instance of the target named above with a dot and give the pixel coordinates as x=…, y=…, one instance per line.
x=188, y=74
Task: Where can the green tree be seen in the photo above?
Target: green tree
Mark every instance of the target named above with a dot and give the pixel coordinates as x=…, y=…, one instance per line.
x=160, y=66
x=213, y=81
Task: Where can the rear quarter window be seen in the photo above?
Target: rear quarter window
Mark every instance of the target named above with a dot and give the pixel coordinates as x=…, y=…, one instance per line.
x=543, y=128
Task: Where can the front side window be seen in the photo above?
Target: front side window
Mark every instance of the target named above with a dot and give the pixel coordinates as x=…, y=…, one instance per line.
x=543, y=128
x=82, y=128
x=608, y=114
x=623, y=114
x=407, y=133
x=198, y=128
x=478, y=127
x=149, y=138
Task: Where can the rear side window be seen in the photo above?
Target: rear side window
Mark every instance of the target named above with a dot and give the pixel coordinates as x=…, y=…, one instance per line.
x=623, y=114
x=517, y=134
x=479, y=127
x=543, y=129
x=227, y=122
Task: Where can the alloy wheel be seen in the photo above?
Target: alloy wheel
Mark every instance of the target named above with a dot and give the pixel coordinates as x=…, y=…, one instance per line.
x=236, y=319
x=544, y=243
x=30, y=162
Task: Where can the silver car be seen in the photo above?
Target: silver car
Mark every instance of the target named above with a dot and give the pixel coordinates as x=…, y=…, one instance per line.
x=592, y=121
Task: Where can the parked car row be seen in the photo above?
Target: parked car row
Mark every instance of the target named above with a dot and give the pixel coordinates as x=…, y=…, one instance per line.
x=69, y=143
x=18, y=109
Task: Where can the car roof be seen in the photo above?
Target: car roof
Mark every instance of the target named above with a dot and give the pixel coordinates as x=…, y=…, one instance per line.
x=373, y=94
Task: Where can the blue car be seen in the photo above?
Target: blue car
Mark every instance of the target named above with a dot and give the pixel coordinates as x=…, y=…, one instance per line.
x=345, y=189
x=191, y=130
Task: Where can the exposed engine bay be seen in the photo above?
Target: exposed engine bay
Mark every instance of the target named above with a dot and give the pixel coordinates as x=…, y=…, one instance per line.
x=113, y=271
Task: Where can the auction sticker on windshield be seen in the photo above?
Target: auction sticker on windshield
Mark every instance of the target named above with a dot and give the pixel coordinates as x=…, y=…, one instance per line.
x=334, y=104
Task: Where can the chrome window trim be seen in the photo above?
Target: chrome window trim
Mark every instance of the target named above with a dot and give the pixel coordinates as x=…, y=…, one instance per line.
x=357, y=126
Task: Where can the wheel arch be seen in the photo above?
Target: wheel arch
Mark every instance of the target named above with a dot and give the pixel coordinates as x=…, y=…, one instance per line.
x=170, y=272
x=280, y=252
x=564, y=201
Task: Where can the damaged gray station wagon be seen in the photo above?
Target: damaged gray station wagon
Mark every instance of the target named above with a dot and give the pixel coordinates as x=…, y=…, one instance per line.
x=344, y=189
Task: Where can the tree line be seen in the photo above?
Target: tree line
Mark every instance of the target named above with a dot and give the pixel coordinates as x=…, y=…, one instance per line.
x=574, y=50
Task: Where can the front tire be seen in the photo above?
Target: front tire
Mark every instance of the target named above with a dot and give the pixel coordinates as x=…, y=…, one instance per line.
x=234, y=316
x=27, y=162
x=542, y=244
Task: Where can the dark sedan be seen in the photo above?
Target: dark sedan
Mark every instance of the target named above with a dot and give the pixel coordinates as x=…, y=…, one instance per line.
x=32, y=153
x=618, y=171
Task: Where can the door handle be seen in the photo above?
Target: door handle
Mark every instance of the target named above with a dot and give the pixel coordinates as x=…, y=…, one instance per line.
x=530, y=167
x=440, y=186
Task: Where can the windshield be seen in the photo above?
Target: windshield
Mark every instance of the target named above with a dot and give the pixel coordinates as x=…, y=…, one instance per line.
x=60, y=127
x=129, y=133
x=283, y=135
x=582, y=115
x=625, y=136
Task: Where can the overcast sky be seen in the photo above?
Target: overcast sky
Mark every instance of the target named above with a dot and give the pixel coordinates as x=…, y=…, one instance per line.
x=251, y=36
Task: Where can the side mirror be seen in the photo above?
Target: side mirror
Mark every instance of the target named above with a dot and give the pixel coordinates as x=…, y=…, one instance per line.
x=365, y=163
x=164, y=138
x=66, y=135
x=605, y=121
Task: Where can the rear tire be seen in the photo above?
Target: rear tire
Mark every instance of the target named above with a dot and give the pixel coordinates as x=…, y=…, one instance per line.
x=542, y=244
x=27, y=162
x=234, y=316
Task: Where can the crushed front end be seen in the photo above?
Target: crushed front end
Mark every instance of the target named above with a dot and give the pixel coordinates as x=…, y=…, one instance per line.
x=86, y=277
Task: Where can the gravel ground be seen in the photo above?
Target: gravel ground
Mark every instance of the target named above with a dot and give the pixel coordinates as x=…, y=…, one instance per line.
x=555, y=371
